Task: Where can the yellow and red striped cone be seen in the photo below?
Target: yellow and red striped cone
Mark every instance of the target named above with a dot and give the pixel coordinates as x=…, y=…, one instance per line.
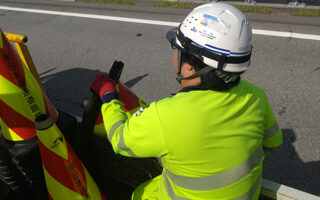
x=131, y=103
x=65, y=175
x=21, y=98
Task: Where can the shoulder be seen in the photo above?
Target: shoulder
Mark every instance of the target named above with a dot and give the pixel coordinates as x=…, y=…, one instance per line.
x=251, y=88
x=247, y=90
x=169, y=103
x=162, y=103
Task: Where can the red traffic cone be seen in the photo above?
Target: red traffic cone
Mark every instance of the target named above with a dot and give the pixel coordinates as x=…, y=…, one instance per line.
x=65, y=175
x=21, y=98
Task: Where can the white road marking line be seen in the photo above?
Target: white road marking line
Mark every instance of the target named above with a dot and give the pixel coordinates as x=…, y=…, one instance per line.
x=286, y=34
x=155, y=22
x=91, y=16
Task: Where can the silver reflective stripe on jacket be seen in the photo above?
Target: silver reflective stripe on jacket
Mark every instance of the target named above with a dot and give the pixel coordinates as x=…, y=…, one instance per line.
x=219, y=180
x=170, y=190
x=246, y=196
x=122, y=145
x=271, y=131
x=249, y=195
x=113, y=129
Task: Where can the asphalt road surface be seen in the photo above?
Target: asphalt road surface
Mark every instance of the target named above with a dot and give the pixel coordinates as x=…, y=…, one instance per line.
x=69, y=51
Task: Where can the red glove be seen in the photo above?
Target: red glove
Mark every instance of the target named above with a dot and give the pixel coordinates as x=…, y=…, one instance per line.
x=103, y=85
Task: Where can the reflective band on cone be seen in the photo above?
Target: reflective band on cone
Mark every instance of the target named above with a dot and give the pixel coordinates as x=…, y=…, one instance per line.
x=130, y=101
x=65, y=175
x=21, y=98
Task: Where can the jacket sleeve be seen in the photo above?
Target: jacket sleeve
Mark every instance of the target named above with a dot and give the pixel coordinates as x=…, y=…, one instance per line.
x=139, y=136
x=272, y=132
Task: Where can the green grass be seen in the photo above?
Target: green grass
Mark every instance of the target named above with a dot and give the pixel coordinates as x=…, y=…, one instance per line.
x=127, y=2
x=170, y=4
x=254, y=9
x=306, y=12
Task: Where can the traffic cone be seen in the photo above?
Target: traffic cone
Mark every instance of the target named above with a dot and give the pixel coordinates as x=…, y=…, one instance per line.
x=21, y=98
x=65, y=175
x=130, y=101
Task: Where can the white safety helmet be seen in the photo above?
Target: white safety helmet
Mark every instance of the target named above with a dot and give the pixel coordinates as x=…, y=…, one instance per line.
x=218, y=34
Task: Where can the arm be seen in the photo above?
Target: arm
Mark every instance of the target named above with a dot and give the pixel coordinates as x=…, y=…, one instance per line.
x=139, y=136
x=272, y=133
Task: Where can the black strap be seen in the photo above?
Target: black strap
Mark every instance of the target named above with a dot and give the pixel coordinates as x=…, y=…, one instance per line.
x=222, y=61
x=191, y=48
x=198, y=73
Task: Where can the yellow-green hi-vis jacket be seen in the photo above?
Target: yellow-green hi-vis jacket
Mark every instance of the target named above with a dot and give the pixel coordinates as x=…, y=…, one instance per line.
x=211, y=143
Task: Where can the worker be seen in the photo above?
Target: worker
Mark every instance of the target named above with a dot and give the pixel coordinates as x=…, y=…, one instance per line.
x=213, y=135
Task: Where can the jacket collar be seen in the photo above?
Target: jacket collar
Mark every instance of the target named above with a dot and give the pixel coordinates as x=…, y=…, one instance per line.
x=188, y=89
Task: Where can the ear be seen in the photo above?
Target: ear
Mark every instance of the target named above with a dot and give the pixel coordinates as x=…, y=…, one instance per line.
x=191, y=69
x=187, y=70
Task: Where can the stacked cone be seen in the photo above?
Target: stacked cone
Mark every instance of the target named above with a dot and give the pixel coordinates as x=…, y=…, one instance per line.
x=21, y=101
x=65, y=175
x=130, y=101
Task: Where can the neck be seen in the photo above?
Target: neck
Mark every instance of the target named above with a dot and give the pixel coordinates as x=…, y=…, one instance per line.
x=192, y=82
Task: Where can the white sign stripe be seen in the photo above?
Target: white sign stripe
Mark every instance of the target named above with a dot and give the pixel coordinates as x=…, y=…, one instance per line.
x=154, y=22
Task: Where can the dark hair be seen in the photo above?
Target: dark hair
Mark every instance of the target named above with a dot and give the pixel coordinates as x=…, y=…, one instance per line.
x=210, y=80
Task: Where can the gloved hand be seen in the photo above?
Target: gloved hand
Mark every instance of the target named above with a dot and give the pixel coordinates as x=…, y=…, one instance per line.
x=104, y=86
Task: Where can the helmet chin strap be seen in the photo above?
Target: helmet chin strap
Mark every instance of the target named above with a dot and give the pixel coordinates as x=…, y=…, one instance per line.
x=179, y=77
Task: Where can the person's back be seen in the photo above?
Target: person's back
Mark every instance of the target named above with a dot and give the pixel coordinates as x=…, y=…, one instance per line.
x=215, y=138
x=213, y=135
